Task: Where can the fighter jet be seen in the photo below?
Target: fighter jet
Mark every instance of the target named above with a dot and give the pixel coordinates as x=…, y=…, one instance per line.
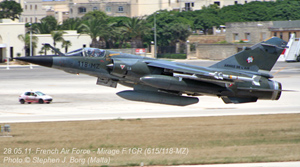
x=241, y=78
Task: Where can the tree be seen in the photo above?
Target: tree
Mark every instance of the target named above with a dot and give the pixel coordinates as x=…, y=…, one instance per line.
x=46, y=26
x=206, y=18
x=95, y=14
x=66, y=44
x=286, y=10
x=170, y=27
x=256, y=11
x=108, y=34
x=172, y=33
x=52, y=22
x=206, y=21
x=92, y=27
x=261, y=11
x=71, y=24
x=232, y=13
x=41, y=28
x=116, y=37
x=26, y=39
x=97, y=25
x=44, y=49
x=10, y=9
x=135, y=28
x=57, y=36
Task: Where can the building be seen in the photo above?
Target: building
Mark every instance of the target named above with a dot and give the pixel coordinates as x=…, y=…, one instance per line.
x=254, y=32
x=10, y=45
x=250, y=33
x=138, y=8
x=79, y=8
x=57, y=8
x=35, y=10
x=284, y=29
x=77, y=41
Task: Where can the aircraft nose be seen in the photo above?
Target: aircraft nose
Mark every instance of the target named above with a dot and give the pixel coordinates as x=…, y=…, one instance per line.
x=40, y=60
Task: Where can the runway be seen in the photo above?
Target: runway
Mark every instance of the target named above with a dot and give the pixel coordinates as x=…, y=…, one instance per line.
x=79, y=98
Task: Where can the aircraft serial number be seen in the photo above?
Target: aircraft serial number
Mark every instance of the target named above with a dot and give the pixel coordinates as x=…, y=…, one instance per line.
x=236, y=67
x=88, y=65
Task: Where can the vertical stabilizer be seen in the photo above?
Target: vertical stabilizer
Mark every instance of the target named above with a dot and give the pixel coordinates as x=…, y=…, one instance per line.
x=261, y=56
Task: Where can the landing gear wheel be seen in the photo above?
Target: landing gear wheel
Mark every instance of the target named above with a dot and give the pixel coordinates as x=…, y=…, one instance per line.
x=41, y=101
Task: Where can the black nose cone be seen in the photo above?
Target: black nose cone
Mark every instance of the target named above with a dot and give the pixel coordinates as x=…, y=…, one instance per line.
x=40, y=60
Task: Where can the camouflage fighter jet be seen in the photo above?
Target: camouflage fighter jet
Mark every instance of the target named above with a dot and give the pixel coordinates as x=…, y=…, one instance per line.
x=241, y=78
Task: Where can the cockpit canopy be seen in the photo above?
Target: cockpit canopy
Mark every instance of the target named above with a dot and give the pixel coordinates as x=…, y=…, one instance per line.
x=87, y=52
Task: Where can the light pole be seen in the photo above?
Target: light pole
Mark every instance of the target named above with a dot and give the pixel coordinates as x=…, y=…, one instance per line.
x=180, y=9
x=8, y=49
x=155, y=39
x=30, y=43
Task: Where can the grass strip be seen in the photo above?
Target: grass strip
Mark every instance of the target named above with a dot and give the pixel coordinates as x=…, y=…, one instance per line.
x=201, y=140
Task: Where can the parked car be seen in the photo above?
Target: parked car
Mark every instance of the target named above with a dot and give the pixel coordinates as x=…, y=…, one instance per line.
x=34, y=97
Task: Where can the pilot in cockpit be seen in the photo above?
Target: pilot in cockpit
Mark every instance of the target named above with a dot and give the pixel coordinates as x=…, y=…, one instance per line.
x=90, y=52
x=94, y=52
x=99, y=53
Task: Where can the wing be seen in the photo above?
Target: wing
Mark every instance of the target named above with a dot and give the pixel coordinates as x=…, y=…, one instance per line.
x=248, y=65
x=211, y=75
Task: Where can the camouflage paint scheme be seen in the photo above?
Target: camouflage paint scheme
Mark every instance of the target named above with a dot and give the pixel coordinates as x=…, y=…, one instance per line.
x=241, y=78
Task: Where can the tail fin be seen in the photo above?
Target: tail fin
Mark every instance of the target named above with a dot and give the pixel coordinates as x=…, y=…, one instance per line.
x=55, y=50
x=261, y=56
